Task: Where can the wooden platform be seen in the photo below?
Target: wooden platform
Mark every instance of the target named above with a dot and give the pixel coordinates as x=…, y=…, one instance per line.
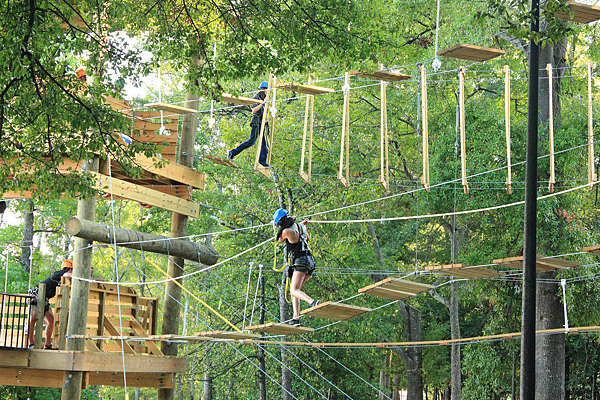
x=335, y=311
x=170, y=108
x=222, y=161
x=44, y=368
x=279, y=328
x=241, y=100
x=382, y=75
x=228, y=335
x=464, y=271
x=542, y=264
x=582, y=13
x=592, y=249
x=304, y=88
x=470, y=52
x=395, y=289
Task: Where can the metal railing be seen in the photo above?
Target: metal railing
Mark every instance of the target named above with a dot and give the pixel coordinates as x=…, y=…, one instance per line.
x=14, y=317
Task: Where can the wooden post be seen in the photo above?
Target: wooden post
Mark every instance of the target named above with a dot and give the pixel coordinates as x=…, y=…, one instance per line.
x=507, y=126
x=463, y=145
x=39, y=321
x=80, y=292
x=64, y=315
x=384, y=176
x=170, y=323
x=345, y=137
x=592, y=177
x=272, y=125
x=551, y=129
x=425, y=128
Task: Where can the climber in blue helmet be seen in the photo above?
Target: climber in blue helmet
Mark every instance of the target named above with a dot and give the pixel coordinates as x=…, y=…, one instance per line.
x=255, y=124
x=296, y=239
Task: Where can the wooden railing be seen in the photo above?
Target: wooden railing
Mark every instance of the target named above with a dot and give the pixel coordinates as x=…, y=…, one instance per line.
x=112, y=310
x=14, y=316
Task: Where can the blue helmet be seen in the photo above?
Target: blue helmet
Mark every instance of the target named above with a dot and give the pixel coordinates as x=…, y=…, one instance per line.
x=278, y=215
x=264, y=85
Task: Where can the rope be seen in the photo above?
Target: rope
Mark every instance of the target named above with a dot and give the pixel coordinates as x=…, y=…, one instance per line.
x=247, y=291
x=564, y=293
x=436, y=62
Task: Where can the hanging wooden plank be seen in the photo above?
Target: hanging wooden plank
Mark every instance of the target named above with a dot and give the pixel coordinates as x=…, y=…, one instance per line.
x=507, y=127
x=222, y=161
x=170, y=108
x=279, y=328
x=464, y=271
x=273, y=113
x=395, y=289
x=592, y=176
x=308, y=129
x=470, y=52
x=175, y=172
x=463, y=140
x=335, y=311
x=345, y=136
x=382, y=75
x=425, y=128
x=241, y=100
x=228, y=335
x=141, y=194
x=384, y=176
x=551, y=128
x=580, y=13
x=592, y=249
x=302, y=88
x=542, y=264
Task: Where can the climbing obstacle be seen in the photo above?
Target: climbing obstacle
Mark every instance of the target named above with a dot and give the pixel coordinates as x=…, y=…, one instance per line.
x=222, y=161
x=240, y=100
x=580, y=13
x=470, y=52
x=171, y=108
x=543, y=264
x=335, y=311
x=464, y=271
x=279, y=328
x=235, y=335
x=395, y=289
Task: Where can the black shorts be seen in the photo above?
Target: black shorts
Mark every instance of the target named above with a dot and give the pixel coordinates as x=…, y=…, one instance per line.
x=305, y=264
x=34, y=303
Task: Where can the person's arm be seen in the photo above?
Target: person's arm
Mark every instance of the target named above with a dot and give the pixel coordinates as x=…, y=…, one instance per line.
x=256, y=108
x=304, y=223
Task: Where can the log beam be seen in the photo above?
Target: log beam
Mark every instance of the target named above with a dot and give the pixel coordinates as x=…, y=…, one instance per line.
x=102, y=233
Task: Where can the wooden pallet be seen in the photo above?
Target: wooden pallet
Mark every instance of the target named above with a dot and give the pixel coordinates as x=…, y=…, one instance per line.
x=382, y=75
x=470, y=52
x=582, y=13
x=464, y=271
x=395, y=289
x=222, y=161
x=335, y=311
x=278, y=328
x=302, y=88
x=170, y=108
x=542, y=264
x=228, y=335
x=241, y=100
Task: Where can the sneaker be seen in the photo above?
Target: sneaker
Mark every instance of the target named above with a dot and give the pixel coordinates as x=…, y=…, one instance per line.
x=315, y=303
x=293, y=322
x=229, y=156
x=266, y=165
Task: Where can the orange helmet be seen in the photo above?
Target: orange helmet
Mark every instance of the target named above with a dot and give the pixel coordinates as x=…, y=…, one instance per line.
x=67, y=264
x=81, y=73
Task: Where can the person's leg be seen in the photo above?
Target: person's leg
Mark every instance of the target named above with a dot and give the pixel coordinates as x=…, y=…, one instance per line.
x=49, y=328
x=264, y=150
x=255, y=130
x=31, y=327
x=298, y=280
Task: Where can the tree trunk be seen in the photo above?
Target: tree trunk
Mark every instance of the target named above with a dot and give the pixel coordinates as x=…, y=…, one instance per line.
x=396, y=387
x=413, y=356
x=550, y=349
x=26, y=246
x=284, y=315
x=178, y=229
x=455, y=334
x=384, y=378
x=208, y=386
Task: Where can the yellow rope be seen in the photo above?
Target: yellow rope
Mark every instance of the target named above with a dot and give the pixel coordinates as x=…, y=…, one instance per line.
x=194, y=296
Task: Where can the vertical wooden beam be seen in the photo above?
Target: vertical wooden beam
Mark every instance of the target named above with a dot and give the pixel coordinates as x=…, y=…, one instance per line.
x=63, y=318
x=345, y=137
x=273, y=119
x=39, y=321
x=592, y=177
x=170, y=323
x=507, y=126
x=101, y=312
x=551, y=128
x=80, y=292
x=384, y=176
x=425, y=128
x=463, y=145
